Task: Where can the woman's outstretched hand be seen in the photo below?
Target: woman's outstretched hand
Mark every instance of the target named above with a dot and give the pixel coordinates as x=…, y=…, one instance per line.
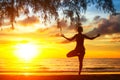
x=62, y=35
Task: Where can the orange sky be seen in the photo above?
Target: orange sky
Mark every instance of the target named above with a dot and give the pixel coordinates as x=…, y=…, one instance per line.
x=50, y=45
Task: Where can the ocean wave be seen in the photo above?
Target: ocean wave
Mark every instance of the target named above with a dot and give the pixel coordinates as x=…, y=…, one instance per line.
x=103, y=69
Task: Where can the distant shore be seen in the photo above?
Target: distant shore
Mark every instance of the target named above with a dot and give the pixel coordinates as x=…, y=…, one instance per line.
x=62, y=77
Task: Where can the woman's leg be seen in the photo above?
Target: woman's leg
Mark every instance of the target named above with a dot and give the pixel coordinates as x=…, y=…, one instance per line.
x=80, y=63
x=72, y=53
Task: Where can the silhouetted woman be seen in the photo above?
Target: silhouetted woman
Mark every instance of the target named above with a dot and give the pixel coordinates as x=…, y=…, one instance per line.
x=79, y=49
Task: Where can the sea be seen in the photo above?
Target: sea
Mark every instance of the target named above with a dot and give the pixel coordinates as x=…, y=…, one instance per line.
x=63, y=66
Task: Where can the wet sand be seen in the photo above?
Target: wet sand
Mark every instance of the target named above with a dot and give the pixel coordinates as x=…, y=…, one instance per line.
x=62, y=77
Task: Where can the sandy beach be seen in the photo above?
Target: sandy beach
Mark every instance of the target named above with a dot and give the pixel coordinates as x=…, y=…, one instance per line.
x=62, y=77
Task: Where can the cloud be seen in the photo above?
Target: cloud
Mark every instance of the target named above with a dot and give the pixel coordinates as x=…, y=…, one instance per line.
x=56, y=35
x=65, y=41
x=107, y=26
x=96, y=18
x=112, y=37
x=29, y=21
x=62, y=23
x=52, y=31
x=115, y=37
x=83, y=19
x=66, y=24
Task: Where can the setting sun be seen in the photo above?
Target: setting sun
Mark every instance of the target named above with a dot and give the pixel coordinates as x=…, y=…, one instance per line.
x=26, y=51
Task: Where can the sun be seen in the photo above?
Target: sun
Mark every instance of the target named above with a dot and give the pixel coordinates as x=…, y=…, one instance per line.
x=26, y=52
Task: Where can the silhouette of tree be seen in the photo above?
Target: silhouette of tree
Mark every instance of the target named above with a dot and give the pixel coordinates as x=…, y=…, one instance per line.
x=47, y=9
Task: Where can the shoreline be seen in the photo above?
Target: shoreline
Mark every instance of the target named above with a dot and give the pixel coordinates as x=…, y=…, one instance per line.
x=62, y=77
